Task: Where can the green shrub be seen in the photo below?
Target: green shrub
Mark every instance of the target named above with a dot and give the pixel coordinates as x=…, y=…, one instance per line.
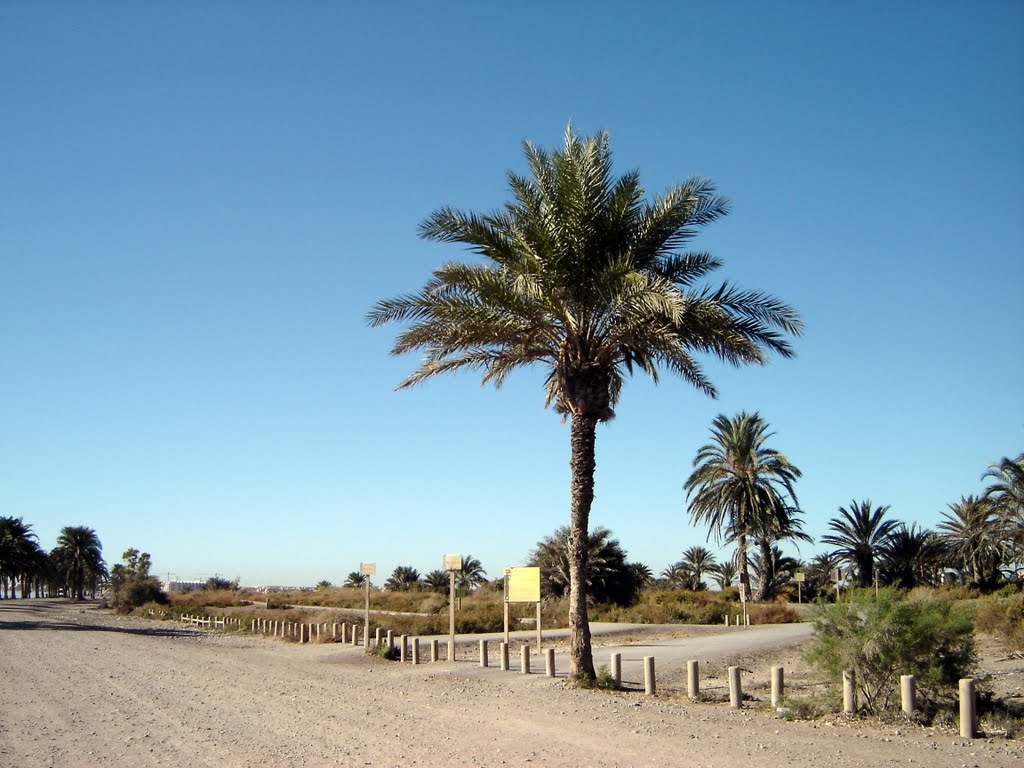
x=888, y=637
x=136, y=592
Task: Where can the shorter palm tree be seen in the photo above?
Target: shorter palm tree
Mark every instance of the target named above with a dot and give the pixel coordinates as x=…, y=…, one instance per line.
x=472, y=574
x=911, y=557
x=739, y=485
x=977, y=540
x=437, y=581
x=403, y=579
x=724, y=574
x=79, y=559
x=355, y=579
x=859, y=536
x=610, y=579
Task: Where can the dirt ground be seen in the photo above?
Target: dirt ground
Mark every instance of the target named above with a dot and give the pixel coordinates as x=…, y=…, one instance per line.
x=81, y=687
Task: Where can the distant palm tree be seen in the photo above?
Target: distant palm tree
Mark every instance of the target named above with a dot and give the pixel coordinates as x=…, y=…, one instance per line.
x=698, y=561
x=768, y=531
x=20, y=556
x=859, y=535
x=437, y=581
x=355, y=579
x=911, y=556
x=676, y=575
x=79, y=559
x=472, y=574
x=724, y=573
x=976, y=536
x=403, y=579
x=1006, y=489
x=610, y=578
x=739, y=485
x=818, y=576
x=642, y=574
x=579, y=274
x=774, y=573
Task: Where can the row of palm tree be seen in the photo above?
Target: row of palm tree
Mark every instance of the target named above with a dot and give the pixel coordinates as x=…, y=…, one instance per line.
x=743, y=491
x=73, y=567
x=405, y=578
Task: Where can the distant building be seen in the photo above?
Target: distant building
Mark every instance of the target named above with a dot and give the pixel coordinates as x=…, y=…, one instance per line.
x=182, y=586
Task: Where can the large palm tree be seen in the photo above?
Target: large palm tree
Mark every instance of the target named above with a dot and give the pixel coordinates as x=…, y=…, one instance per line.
x=859, y=535
x=580, y=274
x=739, y=485
x=79, y=559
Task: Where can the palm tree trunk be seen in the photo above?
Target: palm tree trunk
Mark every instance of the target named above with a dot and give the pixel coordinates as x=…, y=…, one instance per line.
x=767, y=570
x=583, y=431
x=744, y=565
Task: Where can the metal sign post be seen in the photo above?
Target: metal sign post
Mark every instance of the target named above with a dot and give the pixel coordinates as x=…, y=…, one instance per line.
x=452, y=563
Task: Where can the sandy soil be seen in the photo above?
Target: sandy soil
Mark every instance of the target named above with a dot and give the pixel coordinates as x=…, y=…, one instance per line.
x=81, y=687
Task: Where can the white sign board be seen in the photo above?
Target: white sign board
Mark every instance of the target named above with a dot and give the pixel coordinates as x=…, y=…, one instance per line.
x=367, y=569
x=452, y=563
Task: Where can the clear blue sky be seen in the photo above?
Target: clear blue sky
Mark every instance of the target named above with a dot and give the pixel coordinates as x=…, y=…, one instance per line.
x=200, y=201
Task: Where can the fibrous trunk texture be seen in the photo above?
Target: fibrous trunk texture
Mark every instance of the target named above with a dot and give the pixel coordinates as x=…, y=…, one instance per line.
x=582, y=464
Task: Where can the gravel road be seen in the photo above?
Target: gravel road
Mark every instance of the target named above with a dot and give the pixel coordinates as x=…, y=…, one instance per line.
x=81, y=687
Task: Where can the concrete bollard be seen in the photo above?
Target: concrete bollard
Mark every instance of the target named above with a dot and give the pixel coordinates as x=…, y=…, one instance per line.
x=483, y=654
x=737, y=619
x=391, y=638
x=550, y=662
x=735, y=688
x=650, y=687
x=366, y=636
x=727, y=619
x=344, y=632
x=968, y=711
x=403, y=649
x=908, y=694
x=318, y=626
x=504, y=657
x=355, y=635
x=415, y=650
x=435, y=653
x=778, y=683
x=849, y=692
x=334, y=631
x=615, y=666
x=746, y=619
x=376, y=636
x=693, y=679
x=524, y=660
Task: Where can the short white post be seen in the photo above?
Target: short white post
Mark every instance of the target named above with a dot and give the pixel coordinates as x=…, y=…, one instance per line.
x=968, y=713
x=415, y=650
x=849, y=692
x=504, y=657
x=524, y=660
x=735, y=689
x=435, y=653
x=366, y=636
x=727, y=619
x=355, y=635
x=778, y=683
x=738, y=619
x=334, y=631
x=747, y=619
x=318, y=632
x=908, y=694
x=391, y=638
x=616, y=668
x=403, y=647
x=550, y=665
x=650, y=687
x=376, y=636
x=692, y=679
x=344, y=632
x=483, y=654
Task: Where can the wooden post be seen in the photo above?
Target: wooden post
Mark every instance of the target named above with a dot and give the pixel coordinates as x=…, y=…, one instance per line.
x=550, y=665
x=735, y=689
x=415, y=650
x=524, y=660
x=968, y=712
x=540, y=637
x=434, y=652
x=908, y=694
x=650, y=688
x=451, y=615
x=692, y=679
x=483, y=654
x=849, y=692
x=778, y=683
x=504, y=657
x=616, y=668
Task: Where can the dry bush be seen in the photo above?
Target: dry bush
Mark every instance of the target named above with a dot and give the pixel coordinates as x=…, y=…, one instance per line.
x=1002, y=617
x=772, y=613
x=218, y=598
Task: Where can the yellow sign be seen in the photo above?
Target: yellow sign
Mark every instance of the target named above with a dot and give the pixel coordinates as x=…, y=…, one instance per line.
x=522, y=585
